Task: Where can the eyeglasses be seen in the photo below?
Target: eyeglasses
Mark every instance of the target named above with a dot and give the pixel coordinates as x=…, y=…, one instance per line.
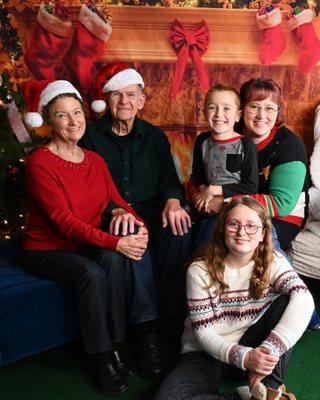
x=235, y=227
x=254, y=109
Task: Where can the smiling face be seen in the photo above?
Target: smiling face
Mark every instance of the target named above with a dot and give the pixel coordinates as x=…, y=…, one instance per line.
x=259, y=118
x=239, y=243
x=221, y=113
x=125, y=103
x=67, y=119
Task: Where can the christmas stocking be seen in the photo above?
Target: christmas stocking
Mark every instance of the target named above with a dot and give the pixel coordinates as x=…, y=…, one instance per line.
x=48, y=42
x=273, y=40
x=88, y=40
x=306, y=39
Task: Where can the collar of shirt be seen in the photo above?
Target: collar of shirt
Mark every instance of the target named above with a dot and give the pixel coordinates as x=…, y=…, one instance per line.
x=105, y=126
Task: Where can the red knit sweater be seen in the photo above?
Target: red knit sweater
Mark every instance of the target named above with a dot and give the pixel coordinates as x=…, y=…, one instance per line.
x=67, y=202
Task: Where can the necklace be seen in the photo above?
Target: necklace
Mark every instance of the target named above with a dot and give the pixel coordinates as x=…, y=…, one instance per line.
x=76, y=155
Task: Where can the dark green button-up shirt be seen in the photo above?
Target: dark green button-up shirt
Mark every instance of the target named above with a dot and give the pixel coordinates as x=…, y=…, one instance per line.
x=140, y=163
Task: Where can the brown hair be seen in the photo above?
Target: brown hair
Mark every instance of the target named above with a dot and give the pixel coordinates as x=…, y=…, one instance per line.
x=223, y=88
x=260, y=89
x=46, y=109
x=215, y=253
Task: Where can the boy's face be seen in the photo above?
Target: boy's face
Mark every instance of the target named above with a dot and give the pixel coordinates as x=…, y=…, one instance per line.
x=221, y=113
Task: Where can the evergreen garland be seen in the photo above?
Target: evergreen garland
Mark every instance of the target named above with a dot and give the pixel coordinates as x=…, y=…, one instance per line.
x=9, y=37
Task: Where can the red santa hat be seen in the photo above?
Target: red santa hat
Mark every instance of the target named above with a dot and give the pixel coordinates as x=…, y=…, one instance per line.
x=113, y=76
x=38, y=94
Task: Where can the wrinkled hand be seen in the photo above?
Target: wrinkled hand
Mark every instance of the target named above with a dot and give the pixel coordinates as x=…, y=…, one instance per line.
x=123, y=222
x=133, y=246
x=260, y=362
x=143, y=230
x=174, y=215
x=215, y=204
x=203, y=198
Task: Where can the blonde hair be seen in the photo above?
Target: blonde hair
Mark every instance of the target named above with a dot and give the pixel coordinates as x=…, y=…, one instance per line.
x=223, y=88
x=216, y=252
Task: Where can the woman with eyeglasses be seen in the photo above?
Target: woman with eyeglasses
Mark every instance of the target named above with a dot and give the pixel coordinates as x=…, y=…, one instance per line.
x=247, y=308
x=283, y=178
x=283, y=182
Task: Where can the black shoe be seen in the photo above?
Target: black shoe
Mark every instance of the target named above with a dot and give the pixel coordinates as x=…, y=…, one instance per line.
x=120, y=365
x=147, y=355
x=106, y=377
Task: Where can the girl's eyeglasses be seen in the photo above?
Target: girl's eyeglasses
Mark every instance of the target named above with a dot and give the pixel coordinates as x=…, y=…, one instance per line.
x=250, y=229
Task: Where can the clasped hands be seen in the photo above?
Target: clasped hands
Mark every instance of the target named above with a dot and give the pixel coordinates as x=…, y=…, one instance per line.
x=208, y=199
x=260, y=363
x=132, y=245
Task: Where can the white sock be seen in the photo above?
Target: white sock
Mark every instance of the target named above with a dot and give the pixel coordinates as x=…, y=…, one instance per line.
x=244, y=392
x=259, y=392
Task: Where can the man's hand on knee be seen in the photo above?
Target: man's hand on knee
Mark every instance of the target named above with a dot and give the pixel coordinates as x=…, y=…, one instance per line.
x=174, y=215
x=123, y=222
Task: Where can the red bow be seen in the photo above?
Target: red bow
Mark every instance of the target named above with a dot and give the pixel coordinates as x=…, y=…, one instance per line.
x=193, y=44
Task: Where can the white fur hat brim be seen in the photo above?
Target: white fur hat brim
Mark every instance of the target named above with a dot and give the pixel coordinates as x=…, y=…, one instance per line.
x=122, y=79
x=53, y=89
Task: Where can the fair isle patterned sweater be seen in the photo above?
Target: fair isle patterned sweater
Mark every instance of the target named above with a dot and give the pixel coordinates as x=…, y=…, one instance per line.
x=216, y=323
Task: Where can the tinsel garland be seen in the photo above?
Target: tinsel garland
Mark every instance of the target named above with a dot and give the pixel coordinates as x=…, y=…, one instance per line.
x=14, y=141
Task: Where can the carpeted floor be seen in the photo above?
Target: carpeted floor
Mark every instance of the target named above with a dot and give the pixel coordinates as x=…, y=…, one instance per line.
x=60, y=374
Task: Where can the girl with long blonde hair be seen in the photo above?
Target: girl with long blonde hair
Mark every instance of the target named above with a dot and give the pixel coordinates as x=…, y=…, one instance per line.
x=247, y=308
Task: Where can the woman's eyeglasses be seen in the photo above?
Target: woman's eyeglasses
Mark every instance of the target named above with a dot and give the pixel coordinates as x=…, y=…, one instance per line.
x=254, y=109
x=235, y=227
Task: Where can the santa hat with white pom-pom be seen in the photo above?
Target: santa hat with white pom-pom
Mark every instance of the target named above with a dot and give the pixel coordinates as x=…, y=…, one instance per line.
x=112, y=77
x=38, y=94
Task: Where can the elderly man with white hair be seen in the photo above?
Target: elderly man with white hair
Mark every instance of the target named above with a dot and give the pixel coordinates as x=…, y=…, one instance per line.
x=140, y=162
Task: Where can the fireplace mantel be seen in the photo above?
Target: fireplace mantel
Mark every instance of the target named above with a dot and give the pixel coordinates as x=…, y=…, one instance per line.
x=141, y=34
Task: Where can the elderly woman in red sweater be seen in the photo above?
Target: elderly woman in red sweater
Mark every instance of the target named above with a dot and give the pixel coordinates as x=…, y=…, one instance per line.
x=69, y=189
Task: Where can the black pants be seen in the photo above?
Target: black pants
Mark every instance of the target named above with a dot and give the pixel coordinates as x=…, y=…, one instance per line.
x=198, y=376
x=98, y=278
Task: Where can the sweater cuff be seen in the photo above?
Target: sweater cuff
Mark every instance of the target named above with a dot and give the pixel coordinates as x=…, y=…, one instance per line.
x=274, y=344
x=113, y=242
x=237, y=354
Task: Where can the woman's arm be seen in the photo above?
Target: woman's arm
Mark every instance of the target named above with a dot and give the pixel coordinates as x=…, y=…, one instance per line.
x=203, y=319
x=298, y=312
x=285, y=185
x=284, y=174
x=47, y=195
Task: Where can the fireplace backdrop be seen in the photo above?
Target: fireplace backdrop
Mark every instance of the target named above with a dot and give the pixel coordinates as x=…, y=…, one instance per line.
x=141, y=36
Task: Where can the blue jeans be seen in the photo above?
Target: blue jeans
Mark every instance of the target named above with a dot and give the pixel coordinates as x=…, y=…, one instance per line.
x=206, y=227
x=169, y=255
x=140, y=289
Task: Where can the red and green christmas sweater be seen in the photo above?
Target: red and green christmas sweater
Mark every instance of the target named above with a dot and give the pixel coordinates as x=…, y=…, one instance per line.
x=283, y=179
